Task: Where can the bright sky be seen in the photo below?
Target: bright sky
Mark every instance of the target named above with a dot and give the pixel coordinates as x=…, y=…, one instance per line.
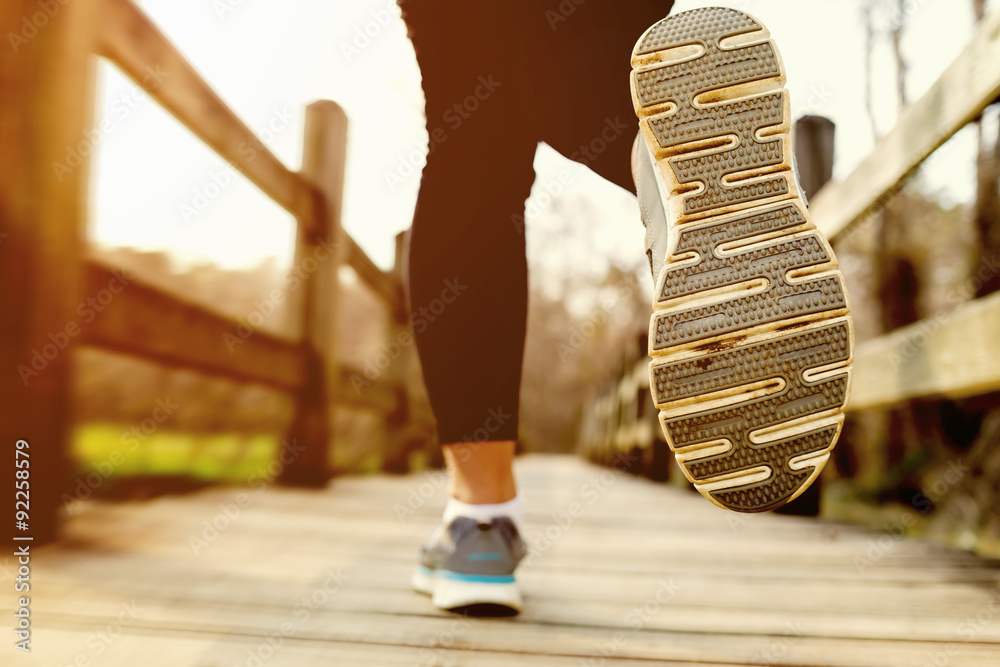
x=268, y=59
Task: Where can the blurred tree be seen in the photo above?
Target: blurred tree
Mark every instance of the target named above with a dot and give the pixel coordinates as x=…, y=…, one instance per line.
x=899, y=291
x=587, y=304
x=867, y=17
x=969, y=512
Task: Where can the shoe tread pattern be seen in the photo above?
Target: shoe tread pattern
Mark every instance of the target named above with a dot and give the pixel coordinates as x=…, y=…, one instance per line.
x=749, y=304
x=783, y=298
x=688, y=121
x=783, y=359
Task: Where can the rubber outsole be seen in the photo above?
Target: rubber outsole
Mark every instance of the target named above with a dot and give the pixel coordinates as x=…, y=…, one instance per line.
x=751, y=339
x=468, y=597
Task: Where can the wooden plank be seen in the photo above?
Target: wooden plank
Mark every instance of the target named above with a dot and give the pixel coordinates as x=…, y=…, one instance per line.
x=143, y=321
x=756, y=595
x=705, y=611
x=157, y=649
x=969, y=84
x=46, y=113
x=829, y=609
x=380, y=567
x=955, y=355
x=583, y=545
x=131, y=41
x=894, y=566
x=801, y=556
x=538, y=638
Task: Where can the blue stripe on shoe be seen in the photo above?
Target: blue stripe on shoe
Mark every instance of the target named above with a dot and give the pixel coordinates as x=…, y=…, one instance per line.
x=484, y=556
x=476, y=578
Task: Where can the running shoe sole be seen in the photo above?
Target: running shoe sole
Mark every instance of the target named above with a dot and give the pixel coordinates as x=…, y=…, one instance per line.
x=750, y=338
x=469, y=594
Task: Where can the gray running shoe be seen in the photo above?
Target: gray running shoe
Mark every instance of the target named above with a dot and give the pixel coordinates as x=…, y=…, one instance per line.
x=750, y=339
x=468, y=567
x=654, y=217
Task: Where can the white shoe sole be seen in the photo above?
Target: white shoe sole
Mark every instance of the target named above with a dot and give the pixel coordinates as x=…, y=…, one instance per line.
x=455, y=592
x=750, y=339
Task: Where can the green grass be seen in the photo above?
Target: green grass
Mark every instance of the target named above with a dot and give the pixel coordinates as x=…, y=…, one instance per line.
x=222, y=457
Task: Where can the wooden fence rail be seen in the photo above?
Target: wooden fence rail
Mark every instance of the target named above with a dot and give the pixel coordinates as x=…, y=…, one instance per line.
x=957, y=354
x=969, y=85
x=50, y=80
x=132, y=42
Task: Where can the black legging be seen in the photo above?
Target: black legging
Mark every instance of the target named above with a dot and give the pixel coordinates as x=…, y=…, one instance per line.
x=498, y=78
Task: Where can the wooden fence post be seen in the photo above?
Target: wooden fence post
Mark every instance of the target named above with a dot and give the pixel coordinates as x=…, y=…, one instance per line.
x=396, y=456
x=46, y=119
x=814, y=137
x=319, y=252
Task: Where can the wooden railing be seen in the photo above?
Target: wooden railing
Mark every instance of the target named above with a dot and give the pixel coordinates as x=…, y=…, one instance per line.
x=50, y=84
x=953, y=355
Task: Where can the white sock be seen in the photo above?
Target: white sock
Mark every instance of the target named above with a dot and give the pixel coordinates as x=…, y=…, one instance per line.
x=512, y=508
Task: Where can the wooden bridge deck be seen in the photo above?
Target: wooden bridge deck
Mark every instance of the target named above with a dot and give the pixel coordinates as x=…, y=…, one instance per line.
x=642, y=574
